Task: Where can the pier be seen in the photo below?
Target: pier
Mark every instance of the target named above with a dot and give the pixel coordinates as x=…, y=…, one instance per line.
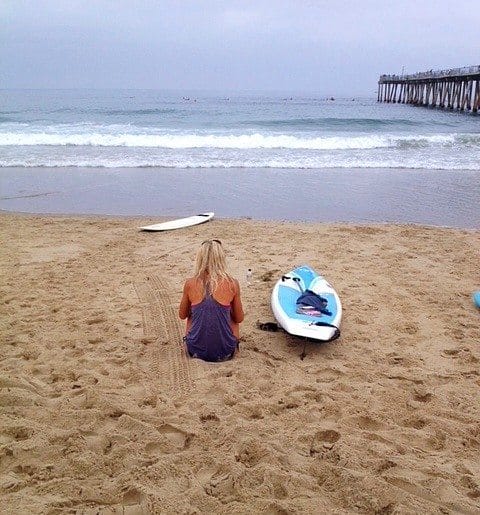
x=457, y=88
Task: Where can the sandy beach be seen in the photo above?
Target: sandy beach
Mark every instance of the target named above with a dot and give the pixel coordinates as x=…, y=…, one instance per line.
x=102, y=412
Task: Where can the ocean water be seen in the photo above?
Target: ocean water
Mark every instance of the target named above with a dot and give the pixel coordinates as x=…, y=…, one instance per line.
x=133, y=129
x=269, y=157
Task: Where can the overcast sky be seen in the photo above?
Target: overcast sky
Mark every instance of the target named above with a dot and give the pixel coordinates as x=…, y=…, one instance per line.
x=337, y=47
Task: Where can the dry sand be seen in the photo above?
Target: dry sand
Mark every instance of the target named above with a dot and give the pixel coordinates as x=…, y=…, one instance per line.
x=103, y=413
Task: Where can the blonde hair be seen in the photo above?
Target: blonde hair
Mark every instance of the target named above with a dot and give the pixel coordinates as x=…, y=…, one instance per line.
x=211, y=265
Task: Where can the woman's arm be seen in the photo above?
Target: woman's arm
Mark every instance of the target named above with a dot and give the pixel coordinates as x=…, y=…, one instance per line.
x=236, y=305
x=185, y=304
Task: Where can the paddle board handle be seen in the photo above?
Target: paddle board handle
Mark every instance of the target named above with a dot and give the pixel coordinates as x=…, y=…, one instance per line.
x=299, y=283
x=294, y=279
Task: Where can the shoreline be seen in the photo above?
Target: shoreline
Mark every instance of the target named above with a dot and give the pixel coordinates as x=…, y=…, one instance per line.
x=103, y=410
x=151, y=219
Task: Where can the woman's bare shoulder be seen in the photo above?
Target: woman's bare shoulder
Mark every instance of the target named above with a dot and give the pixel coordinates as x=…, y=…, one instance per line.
x=232, y=284
x=190, y=282
x=237, y=285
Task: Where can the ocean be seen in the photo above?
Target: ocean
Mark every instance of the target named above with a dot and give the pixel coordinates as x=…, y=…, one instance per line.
x=67, y=137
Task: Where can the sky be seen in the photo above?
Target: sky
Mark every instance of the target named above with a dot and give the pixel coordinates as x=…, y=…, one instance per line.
x=336, y=47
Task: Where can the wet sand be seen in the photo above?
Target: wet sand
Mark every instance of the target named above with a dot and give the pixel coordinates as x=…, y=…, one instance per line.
x=102, y=412
x=448, y=198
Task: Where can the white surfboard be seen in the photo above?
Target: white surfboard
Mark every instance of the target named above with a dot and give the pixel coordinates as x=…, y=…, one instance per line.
x=303, y=320
x=179, y=223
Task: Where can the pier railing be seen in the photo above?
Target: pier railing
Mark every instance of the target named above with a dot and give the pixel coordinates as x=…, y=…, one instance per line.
x=456, y=88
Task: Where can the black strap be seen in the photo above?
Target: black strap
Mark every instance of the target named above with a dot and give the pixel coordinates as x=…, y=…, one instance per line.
x=336, y=334
x=324, y=324
x=274, y=327
x=269, y=326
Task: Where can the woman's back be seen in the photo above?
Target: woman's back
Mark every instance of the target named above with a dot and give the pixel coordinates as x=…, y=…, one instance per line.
x=224, y=292
x=212, y=306
x=210, y=336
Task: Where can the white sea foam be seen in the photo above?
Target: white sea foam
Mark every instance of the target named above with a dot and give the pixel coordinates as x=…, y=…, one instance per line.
x=112, y=146
x=244, y=141
x=180, y=160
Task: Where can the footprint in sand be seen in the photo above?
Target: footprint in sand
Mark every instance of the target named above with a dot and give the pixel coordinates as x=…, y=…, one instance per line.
x=420, y=394
x=473, y=488
x=451, y=352
x=409, y=328
x=18, y=433
x=328, y=375
x=323, y=440
x=221, y=485
x=366, y=423
x=209, y=417
x=13, y=397
x=251, y=452
x=396, y=359
x=458, y=334
x=416, y=422
x=132, y=502
x=253, y=411
x=171, y=440
x=10, y=482
x=385, y=464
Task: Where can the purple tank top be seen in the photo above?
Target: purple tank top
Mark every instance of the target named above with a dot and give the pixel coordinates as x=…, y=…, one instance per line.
x=210, y=336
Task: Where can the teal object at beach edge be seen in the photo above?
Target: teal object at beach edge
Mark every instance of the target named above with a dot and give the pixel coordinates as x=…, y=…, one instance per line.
x=476, y=298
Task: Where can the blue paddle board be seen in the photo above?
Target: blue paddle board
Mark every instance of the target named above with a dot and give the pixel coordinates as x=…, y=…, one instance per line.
x=299, y=320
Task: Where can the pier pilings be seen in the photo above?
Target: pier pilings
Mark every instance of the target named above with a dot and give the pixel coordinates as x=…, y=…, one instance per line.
x=457, y=88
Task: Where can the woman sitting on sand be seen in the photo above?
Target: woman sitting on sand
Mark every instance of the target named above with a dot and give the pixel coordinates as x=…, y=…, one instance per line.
x=212, y=306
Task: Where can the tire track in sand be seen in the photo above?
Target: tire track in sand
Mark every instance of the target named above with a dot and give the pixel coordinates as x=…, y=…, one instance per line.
x=168, y=361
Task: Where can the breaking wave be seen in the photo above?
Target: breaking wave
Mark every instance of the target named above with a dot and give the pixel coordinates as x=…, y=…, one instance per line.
x=242, y=141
